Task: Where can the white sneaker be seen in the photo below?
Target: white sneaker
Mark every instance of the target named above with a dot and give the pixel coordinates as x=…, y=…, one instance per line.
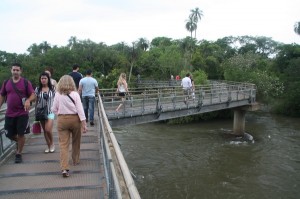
x=52, y=148
x=47, y=150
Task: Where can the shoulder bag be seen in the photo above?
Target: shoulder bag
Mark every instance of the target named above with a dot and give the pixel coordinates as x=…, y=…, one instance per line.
x=41, y=112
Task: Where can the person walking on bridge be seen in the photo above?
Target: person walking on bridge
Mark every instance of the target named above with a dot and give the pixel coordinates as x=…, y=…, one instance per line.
x=70, y=121
x=88, y=87
x=122, y=89
x=77, y=76
x=45, y=93
x=19, y=93
x=186, y=84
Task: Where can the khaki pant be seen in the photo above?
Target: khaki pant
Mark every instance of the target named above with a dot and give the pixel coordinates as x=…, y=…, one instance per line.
x=68, y=125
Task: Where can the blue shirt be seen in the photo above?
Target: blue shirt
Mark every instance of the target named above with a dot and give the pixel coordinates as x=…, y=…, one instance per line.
x=89, y=84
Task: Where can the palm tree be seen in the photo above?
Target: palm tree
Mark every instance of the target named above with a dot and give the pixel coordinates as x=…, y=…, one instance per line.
x=72, y=42
x=190, y=25
x=44, y=47
x=297, y=28
x=143, y=44
x=196, y=15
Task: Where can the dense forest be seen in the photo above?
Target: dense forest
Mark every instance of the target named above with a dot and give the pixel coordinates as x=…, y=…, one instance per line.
x=274, y=67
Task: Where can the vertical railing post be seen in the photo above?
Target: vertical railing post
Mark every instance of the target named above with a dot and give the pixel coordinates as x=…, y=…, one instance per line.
x=1, y=142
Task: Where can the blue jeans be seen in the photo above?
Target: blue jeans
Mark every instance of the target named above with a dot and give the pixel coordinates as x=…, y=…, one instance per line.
x=88, y=103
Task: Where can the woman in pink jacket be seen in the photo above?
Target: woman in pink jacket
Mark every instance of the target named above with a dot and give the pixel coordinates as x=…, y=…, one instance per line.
x=70, y=121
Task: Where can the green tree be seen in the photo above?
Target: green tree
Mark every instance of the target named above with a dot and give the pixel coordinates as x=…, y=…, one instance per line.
x=142, y=44
x=196, y=15
x=191, y=25
x=161, y=42
x=248, y=68
x=287, y=67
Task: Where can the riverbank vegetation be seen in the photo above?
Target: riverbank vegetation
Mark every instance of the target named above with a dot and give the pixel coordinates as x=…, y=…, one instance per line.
x=274, y=67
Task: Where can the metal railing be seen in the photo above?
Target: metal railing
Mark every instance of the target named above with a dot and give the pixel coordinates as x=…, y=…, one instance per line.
x=6, y=145
x=116, y=169
x=146, y=100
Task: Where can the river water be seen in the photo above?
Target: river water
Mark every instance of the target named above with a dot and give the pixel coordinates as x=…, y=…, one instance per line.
x=195, y=161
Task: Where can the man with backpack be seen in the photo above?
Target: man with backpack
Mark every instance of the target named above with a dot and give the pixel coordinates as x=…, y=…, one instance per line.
x=19, y=93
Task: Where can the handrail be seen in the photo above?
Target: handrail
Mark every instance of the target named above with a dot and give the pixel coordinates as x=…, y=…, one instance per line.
x=116, y=151
x=5, y=150
x=113, y=186
x=149, y=100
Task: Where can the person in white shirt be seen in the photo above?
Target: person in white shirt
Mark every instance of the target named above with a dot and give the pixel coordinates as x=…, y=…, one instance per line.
x=186, y=84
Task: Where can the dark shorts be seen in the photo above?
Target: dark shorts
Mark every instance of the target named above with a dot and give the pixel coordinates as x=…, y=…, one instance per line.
x=16, y=125
x=122, y=94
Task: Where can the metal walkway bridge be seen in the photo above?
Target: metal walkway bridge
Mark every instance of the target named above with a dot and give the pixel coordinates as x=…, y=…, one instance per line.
x=165, y=100
x=103, y=172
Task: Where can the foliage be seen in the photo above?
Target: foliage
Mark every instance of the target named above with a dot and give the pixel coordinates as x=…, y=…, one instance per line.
x=273, y=67
x=200, y=77
x=194, y=17
x=287, y=66
x=247, y=68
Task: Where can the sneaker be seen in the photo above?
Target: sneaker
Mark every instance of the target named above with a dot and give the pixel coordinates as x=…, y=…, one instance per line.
x=18, y=158
x=65, y=173
x=92, y=123
x=47, y=150
x=52, y=148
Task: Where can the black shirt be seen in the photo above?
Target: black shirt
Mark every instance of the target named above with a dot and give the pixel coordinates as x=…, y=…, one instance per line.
x=76, y=77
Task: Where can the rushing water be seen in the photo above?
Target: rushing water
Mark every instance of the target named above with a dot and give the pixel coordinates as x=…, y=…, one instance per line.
x=198, y=161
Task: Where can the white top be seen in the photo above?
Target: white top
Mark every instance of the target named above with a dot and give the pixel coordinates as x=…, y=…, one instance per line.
x=186, y=83
x=122, y=88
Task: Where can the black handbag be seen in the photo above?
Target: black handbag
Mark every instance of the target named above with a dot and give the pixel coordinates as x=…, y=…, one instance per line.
x=41, y=113
x=41, y=110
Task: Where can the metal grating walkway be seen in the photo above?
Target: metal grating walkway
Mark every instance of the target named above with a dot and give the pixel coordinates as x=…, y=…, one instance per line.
x=39, y=175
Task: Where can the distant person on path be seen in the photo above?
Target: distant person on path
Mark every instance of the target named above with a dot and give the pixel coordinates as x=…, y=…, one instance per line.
x=19, y=94
x=88, y=87
x=177, y=77
x=49, y=70
x=186, y=84
x=193, y=87
x=70, y=121
x=122, y=89
x=45, y=93
x=139, y=78
x=77, y=76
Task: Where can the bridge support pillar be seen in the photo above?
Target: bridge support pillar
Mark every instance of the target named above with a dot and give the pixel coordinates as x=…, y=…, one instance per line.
x=239, y=122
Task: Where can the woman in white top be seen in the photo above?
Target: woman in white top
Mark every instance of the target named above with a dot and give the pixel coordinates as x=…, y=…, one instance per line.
x=122, y=89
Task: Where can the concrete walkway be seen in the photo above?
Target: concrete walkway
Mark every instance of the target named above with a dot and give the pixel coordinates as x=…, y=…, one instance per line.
x=39, y=175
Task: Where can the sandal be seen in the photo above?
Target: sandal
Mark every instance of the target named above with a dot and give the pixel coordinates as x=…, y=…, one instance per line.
x=65, y=173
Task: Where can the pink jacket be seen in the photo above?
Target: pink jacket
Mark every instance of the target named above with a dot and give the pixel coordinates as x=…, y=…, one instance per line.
x=62, y=104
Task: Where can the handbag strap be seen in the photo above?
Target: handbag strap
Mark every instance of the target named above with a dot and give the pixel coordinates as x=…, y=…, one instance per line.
x=15, y=88
x=71, y=99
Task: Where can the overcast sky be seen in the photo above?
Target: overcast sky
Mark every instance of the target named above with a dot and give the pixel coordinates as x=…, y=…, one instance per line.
x=24, y=22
